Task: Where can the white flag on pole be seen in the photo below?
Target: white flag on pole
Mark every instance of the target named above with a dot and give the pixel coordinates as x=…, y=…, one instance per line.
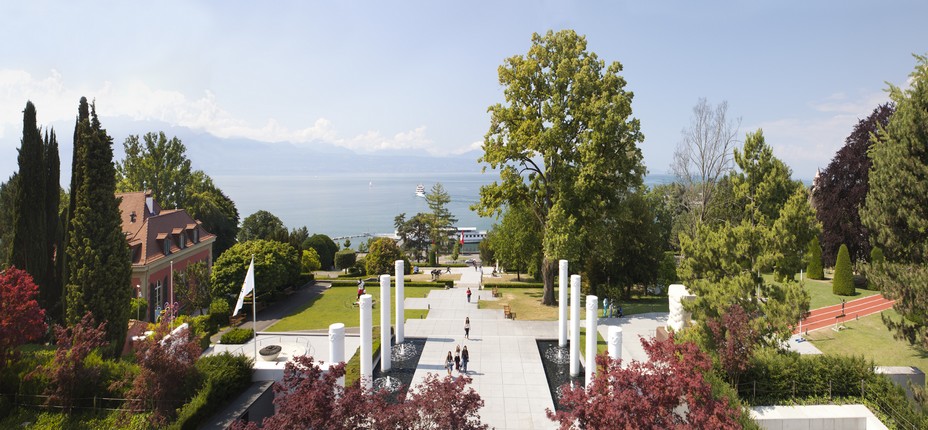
x=247, y=287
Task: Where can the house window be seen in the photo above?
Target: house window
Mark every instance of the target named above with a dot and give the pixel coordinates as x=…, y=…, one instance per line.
x=196, y=235
x=159, y=297
x=183, y=240
x=167, y=245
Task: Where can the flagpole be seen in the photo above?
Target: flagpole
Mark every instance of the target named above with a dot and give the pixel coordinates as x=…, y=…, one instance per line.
x=172, y=295
x=254, y=312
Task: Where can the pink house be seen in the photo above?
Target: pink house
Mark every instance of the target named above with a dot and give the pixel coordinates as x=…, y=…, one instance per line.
x=157, y=239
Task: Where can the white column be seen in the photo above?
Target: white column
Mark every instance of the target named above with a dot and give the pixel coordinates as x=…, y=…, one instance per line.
x=400, y=304
x=591, y=337
x=337, y=347
x=575, y=325
x=615, y=342
x=562, y=304
x=385, y=323
x=367, y=335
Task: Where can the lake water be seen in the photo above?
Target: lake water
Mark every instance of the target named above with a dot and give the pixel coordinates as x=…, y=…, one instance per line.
x=350, y=204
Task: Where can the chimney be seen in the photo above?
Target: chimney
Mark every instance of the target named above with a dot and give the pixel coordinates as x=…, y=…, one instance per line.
x=132, y=217
x=150, y=204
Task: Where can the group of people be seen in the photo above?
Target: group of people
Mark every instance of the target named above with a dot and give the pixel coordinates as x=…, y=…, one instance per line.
x=610, y=310
x=461, y=357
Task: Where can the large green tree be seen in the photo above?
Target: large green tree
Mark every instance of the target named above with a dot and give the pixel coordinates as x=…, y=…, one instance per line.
x=564, y=142
x=208, y=204
x=158, y=164
x=381, y=257
x=263, y=225
x=54, y=228
x=325, y=247
x=413, y=233
x=161, y=165
x=98, y=255
x=277, y=266
x=722, y=263
x=441, y=220
x=516, y=240
x=896, y=208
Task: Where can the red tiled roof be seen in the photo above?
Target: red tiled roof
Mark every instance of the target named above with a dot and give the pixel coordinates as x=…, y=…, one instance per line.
x=151, y=228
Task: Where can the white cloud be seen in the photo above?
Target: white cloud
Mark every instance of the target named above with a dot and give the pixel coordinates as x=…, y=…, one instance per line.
x=811, y=142
x=137, y=100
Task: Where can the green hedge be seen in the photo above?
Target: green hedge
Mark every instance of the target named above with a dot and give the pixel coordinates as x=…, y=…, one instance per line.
x=513, y=285
x=237, y=336
x=776, y=377
x=305, y=278
x=354, y=283
x=225, y=376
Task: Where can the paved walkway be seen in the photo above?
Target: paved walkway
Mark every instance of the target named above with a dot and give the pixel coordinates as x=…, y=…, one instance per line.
x=505, y=364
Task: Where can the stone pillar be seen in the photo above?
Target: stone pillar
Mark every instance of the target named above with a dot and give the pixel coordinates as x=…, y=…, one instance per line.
x=591, y=336
x=678, y=317
x=562, y=304
x=575, y=325
x=337, y=347
x=367, y=340
x=385, y=347
x=400, y=302
x=615, y=342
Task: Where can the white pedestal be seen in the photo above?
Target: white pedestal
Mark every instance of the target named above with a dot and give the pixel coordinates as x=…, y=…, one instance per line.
x=562, y=304
x=385, y=346
x=367, y=338
x=337, y=347
x=575, y=325
x=591, y=337
x=400, y=302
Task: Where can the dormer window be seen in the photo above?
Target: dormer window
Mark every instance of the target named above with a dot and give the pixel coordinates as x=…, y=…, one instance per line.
x=196, y=235
x=167, y=245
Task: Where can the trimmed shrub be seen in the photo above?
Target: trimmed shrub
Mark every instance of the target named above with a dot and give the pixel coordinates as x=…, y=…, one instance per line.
x=876, y=255
x=306, y=278
x=237, y=336
x=219, y=312
x=843, y=282
x=490, y=285
x=345, y=259
x=814, y=269
x=225, y=376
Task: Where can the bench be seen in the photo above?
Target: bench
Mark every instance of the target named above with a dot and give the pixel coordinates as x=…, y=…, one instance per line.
x=496, y=292
x=508, y=313
x=236, y=320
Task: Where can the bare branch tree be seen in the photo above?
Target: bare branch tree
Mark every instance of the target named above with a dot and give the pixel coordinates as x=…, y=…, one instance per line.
x=704, y=155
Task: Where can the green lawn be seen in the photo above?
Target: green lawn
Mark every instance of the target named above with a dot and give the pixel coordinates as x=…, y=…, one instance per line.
x=337, y=305
x=601, y=345
x=870, y=338
x=526, y=303
x=820, y=292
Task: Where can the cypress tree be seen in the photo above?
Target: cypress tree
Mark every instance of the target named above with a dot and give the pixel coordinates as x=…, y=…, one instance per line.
x=77, y=174
x=814, y=269
x=98, y=256
x=53, y=248
x=843, y=282
x=29, y=237
x=876, y=255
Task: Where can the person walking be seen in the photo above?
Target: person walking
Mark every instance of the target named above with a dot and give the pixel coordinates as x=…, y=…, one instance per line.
x=468, y=294
x=457, y=358
x=449, y=362
x=606, y=313
x=466, y=328
x=465, y=357
x=360, y=288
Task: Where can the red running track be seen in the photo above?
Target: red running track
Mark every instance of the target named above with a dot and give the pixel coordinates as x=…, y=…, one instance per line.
x=825, y=317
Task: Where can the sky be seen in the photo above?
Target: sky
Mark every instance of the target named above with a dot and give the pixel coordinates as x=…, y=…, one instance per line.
x=418, y=76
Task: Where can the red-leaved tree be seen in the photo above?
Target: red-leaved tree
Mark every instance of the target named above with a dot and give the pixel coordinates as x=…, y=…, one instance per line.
x=21, y=318
x=734, y=339
x=309, y=397
x=666, y=392
x=68, y=378
x=167, y=374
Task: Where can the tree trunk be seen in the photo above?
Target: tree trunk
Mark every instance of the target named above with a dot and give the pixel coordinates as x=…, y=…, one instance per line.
x=548, y=275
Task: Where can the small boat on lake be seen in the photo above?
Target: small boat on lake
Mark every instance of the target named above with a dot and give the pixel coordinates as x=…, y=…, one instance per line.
x=420, y=191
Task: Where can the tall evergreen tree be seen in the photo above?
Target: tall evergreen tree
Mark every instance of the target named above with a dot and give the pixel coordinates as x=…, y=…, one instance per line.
x=51, y=290
x=78, y=158
x=441, y=219
x=99, y=264
x=814, y=268
x=843, y=281
x=7, y=197
x=29, y=228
